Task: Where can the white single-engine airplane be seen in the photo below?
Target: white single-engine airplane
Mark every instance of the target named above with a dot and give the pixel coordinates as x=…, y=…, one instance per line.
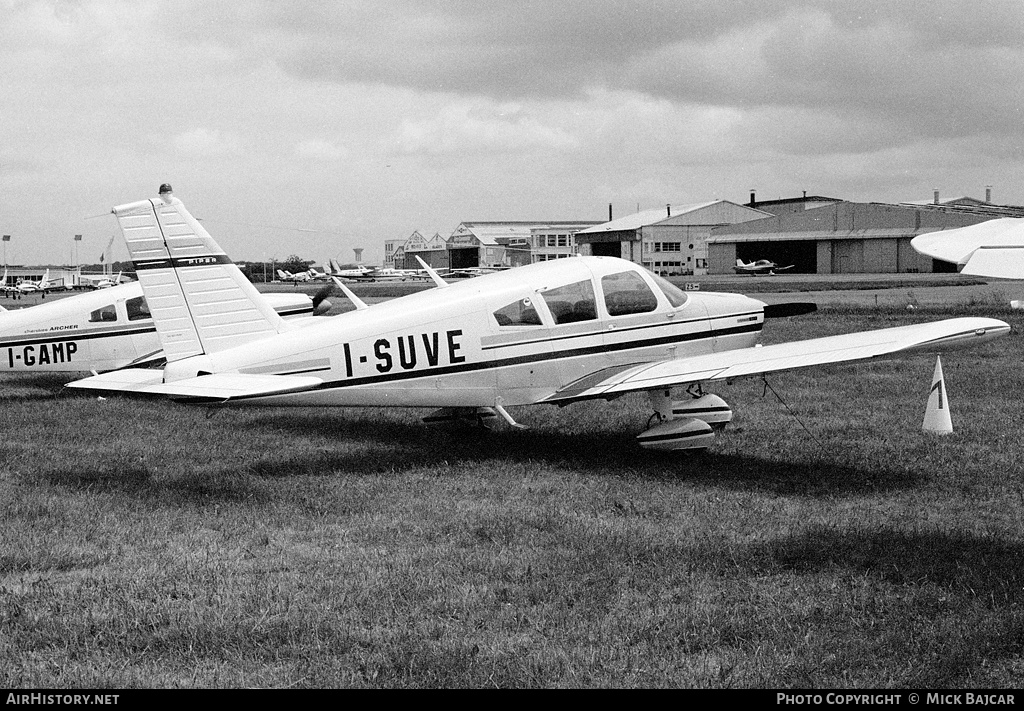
x=761, y=266
x=101, y=330
x=553, y=332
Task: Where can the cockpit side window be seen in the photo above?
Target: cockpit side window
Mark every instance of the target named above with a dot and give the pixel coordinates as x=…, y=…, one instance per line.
x=518, y=313
x=137, y=308
x=571, y=303
x=676, y=296
x=107, y=313
x=627, y=293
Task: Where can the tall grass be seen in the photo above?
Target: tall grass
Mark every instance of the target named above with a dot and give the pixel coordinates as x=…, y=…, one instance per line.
x=824, y=541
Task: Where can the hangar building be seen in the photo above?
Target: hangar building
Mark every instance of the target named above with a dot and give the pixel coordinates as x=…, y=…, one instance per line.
x=497, y=244
x=830, y=236
x=668, y=241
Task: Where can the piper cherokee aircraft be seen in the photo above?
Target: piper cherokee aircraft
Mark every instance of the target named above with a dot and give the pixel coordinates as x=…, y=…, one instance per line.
x=101, y=330
x=30, y=287
x=761, y=266
x=552, y=332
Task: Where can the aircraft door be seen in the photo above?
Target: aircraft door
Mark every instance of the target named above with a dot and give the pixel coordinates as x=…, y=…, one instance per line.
x=642, y=327
x=576, y=334
x=522, y=342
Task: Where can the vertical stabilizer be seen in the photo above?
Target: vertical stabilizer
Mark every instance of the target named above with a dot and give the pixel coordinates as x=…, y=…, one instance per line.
x=200, y=301
x=936, y=414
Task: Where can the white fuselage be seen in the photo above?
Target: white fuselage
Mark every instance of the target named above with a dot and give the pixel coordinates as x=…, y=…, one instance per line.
x=98, y=330
x=446, y=347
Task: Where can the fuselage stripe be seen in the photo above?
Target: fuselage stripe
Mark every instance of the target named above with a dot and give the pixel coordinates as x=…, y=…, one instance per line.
x=534, y=358
x=73, y=336
x=620, y=330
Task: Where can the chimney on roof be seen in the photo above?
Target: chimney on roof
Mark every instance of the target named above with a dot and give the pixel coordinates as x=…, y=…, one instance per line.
x=988, y=193
x=668, y=209
x=609, y=212
x=753, y=198
x=935, y=200
x=805, y=194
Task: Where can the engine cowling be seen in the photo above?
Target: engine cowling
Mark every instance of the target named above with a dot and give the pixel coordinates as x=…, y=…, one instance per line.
x=709, y=408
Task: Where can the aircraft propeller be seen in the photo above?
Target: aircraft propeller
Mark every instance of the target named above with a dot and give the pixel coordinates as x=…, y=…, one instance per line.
x=793, y=308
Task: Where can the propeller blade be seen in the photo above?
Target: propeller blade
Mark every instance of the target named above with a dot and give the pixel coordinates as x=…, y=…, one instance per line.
x=794, y=308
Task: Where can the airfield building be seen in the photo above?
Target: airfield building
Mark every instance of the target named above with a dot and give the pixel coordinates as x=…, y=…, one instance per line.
x=821, y=235
x=669, y=241
x=504, y=244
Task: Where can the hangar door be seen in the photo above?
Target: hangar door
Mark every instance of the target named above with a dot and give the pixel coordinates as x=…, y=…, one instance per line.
x=802, y=254
x=606, y=249
x=464, y=258
x=847, y=256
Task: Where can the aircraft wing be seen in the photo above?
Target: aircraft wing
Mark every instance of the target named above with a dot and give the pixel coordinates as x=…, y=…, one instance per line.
x=744, y=362
x=994, y=248
x=213, y=388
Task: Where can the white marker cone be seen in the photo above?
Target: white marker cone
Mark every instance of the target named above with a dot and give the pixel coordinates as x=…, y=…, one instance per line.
x=936, y=414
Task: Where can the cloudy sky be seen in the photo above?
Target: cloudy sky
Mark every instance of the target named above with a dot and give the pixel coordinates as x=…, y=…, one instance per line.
x=312, y=127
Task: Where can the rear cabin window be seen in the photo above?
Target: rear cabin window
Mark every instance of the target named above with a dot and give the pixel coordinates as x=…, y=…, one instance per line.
x=137, y=308
x=627, y=293
x=572, y=303
x=107, y=313
x=518, y=313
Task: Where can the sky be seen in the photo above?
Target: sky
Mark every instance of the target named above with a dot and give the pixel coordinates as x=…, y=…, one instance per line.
x=311, y=127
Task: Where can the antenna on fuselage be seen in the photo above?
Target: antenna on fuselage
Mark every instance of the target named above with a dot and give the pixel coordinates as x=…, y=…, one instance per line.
x=441, y=283
x=356, y=301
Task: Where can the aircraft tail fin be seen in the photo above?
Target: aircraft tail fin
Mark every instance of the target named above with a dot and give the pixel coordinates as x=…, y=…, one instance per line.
x=739, y=263
x=200, y=301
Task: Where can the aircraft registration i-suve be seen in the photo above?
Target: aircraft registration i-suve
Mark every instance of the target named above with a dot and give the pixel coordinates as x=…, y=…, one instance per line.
x=552, y=332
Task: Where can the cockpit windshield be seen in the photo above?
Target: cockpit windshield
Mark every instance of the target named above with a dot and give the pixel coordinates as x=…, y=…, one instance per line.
x=676, y=296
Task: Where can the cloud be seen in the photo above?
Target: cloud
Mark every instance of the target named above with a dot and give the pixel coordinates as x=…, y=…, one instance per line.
x=320, y=150
x=207, y=142
x=481, y=127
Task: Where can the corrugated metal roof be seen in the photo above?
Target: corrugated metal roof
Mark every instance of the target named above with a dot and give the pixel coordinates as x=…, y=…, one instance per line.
x=818, y=235
x=647, y=217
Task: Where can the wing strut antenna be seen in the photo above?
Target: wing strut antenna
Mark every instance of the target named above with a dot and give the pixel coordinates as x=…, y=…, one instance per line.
x=356, y=301
x=441, y=283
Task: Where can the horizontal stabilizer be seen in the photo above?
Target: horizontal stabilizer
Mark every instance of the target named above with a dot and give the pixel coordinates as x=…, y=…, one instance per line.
x=932, y=337
x=213, y=388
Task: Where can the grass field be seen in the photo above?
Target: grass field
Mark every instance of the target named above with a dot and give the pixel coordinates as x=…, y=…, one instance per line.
x=825, y=542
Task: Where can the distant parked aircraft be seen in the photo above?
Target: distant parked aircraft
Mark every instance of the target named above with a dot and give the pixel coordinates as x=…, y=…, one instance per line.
x=761, y=266
x=283, y=275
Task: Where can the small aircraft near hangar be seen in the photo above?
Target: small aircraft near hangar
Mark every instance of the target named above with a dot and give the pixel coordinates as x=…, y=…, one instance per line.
x=554, y=332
